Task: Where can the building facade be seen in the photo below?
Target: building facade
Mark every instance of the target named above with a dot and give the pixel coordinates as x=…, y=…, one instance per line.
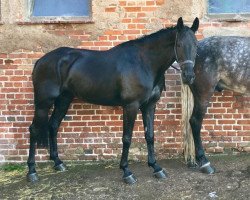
x=31, y=28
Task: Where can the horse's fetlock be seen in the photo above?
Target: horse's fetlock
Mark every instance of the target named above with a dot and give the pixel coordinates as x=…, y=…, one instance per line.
x=151, y=164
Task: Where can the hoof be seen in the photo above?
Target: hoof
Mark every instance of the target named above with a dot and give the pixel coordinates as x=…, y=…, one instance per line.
x=162, y=174
x=33, y=178
x=131, y=179
x=207, y=169
x=62, y=167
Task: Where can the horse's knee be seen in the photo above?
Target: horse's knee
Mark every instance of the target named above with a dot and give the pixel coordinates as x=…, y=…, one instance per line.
x=34, y=133
x=196, y=118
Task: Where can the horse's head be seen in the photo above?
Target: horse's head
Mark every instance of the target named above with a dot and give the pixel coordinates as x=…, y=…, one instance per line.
x=185, y=48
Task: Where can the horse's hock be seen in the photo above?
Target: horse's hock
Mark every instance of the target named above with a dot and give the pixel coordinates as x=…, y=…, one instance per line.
x=22, y=42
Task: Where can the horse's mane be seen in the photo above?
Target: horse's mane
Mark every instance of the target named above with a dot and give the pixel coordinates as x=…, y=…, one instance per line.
x=155, y=34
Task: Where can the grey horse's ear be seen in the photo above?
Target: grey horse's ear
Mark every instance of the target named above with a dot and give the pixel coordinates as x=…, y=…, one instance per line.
x=180, y=24
x=195, y=25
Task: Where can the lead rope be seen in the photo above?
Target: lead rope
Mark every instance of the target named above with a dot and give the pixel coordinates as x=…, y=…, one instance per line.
x=175, y=52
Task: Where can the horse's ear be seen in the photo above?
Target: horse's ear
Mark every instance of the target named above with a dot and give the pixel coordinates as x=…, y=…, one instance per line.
x=195, y=25
x=180, y=24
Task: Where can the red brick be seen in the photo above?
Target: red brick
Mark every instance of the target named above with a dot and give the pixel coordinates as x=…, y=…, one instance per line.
x=131, y=32
x=113, y=32
x=160, y=2
x=217, y=110
x=148, y=9
x=150, y=3
x=132, y=9
x=243, y=122
x=111, y=9
x=226, y=122
x=122, y=3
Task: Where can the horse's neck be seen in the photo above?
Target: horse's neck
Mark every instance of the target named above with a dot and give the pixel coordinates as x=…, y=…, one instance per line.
x=160, y=52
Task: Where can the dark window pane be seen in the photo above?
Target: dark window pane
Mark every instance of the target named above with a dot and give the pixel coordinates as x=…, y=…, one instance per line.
x=229, y=6
x=61, y=8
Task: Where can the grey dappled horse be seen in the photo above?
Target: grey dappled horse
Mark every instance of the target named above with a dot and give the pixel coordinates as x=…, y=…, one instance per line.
x=221, y=63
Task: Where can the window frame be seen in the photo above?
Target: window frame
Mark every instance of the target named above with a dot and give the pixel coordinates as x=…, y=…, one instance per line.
x=58, y=19
x=230, y=17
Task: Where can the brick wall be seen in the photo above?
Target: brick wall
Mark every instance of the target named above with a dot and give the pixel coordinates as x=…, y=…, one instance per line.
x=91, y=132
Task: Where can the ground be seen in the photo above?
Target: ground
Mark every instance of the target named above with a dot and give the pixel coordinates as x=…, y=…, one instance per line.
x=103, y=181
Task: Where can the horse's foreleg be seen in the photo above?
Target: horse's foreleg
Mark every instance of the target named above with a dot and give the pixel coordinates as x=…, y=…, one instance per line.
x=196, y=119
x=129, y=116
x=148, y=121
x=61, y=106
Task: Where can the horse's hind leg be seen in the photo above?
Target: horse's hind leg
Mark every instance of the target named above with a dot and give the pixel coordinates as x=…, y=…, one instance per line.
x=148, y=112
x=60, y=109
x=38, y=134
x=129, y=115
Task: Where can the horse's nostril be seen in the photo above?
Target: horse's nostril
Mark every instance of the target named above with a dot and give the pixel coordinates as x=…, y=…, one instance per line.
x=185, y=74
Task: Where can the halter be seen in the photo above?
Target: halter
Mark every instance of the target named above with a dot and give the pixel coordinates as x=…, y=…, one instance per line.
x=176, y=56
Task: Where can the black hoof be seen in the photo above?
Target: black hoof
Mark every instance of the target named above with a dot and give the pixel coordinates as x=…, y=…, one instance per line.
x=62, y=167
x=207, y=169
x=162, y=174
x=131, y=179
x=33, y=178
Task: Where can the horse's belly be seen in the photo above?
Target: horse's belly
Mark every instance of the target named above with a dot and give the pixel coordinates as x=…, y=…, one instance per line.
x=242, y=87
x=235, y=78
x=98, y=95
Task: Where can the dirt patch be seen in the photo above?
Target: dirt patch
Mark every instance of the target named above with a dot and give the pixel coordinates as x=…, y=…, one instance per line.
x=103, y=181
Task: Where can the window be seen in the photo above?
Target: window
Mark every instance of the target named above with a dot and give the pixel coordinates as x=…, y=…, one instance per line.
x=60, y=10
x=229, y=9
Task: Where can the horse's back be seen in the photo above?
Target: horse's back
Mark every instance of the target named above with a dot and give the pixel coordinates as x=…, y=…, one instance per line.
x=227, y=59
x=112, y=77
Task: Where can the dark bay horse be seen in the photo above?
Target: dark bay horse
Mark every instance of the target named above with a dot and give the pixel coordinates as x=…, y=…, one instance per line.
x=221, y=63
x=130, y=75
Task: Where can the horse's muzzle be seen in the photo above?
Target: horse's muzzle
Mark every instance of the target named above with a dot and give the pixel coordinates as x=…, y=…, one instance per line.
x=188, y=78
x=188, y=75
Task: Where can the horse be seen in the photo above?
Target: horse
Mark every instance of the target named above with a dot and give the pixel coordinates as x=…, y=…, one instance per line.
x=222, y=62
x=130, y=75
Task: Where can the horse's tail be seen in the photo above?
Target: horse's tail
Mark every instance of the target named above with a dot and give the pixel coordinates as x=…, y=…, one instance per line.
x=187, y=109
